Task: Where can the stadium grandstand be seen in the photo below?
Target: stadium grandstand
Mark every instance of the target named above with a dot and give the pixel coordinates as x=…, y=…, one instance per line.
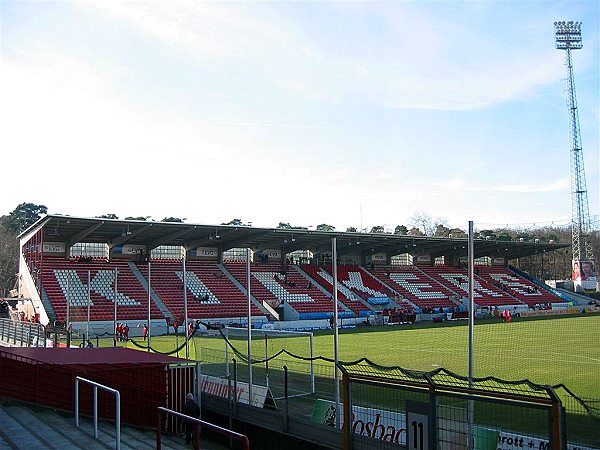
x=103, y=284
x=79, y=270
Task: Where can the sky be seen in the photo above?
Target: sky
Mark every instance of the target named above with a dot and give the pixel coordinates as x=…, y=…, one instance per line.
x=353, y=114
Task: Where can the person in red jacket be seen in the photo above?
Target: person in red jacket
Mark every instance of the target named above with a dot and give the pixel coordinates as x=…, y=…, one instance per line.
x=126, y=332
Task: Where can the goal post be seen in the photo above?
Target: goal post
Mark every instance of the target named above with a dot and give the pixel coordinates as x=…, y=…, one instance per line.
x=272, y=350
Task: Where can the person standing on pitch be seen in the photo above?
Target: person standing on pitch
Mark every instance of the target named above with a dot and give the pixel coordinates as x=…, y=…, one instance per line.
x=190, y=408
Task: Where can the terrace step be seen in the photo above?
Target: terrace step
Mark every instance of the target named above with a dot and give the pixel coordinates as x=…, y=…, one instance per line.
x=34, y=427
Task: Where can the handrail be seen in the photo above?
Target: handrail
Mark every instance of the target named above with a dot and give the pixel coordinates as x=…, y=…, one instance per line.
x=202, y=423
x=23, y=334
x=117, y=407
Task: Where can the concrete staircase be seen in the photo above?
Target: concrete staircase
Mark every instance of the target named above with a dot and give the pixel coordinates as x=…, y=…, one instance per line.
x=32, y=427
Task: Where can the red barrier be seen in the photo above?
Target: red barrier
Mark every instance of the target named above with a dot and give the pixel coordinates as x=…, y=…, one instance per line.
x=143, y=386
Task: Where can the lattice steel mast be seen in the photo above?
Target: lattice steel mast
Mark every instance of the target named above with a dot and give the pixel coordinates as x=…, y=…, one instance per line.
x=568, y=37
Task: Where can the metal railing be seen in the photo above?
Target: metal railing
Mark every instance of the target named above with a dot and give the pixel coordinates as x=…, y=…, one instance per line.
x=22, y=334
x=198, y=423
x=117, y=407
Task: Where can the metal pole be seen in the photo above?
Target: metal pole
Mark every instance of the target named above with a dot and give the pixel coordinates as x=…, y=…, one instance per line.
x=198, y=384
x=77, y=402
x=226, y=352
x=158, y=428
x=89, y=300
x=471, y=258
x=118, y=419
x=96, y=411
x=249, y=327
x=335, y=330
x=286, y=419
x=312, y=364
x=185, y=311
x=68, y=300
x=115, y=318
x=149, y=300
x=267, y=360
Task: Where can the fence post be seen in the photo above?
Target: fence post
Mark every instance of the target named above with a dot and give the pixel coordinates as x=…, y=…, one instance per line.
x=77, y=402
x=229, y=407
x=558, y=438
x=267, y=361
x=285, y=404
x=196, y=436
x=118, y=419
x=96, y=412
x=433, y=408
x=235, y=384
x=198, y=384
x=158, y=430
x=347, y=425
x=226, y=352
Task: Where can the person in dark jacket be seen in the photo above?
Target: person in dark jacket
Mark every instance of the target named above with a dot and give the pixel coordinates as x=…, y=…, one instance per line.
x=190, y=408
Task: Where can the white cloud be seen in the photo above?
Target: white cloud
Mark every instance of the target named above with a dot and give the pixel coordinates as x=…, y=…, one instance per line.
x=429, y=62
x=558, y=185
x=456, y=184
x=207, y=28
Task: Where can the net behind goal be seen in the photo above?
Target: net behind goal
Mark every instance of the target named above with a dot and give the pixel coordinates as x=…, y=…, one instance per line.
x=218, y=349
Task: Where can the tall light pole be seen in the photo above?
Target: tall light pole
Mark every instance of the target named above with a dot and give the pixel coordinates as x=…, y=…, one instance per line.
x=568, y=37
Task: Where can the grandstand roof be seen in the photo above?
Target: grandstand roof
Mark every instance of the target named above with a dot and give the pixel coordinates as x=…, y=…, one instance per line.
x=59, y=228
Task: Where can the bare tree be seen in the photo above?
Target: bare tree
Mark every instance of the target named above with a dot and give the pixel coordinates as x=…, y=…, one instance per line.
x=423, y=222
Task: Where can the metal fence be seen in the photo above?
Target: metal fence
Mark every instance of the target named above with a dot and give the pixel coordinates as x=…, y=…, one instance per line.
x=390, y=406
x=22, y=334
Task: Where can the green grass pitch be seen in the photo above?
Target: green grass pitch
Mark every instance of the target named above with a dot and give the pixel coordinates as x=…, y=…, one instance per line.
x=549, y=351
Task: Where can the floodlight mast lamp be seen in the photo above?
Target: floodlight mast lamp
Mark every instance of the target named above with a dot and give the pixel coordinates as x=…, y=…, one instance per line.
x=568, y=37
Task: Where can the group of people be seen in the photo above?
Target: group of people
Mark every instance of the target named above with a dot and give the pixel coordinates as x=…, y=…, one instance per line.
x=506, y=315
x=122, y=332
x=397, y=315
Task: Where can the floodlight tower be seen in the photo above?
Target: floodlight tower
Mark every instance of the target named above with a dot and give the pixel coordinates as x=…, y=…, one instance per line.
x=568, y=37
